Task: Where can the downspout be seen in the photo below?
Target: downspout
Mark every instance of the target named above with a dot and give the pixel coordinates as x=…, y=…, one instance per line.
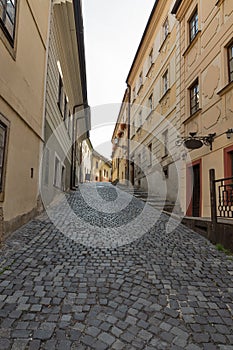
x=129, y=115
x=73, y=146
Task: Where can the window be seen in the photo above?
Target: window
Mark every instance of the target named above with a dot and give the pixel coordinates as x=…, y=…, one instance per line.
x=194, y=97
x=150, y=103
x=165, y=82
x=60, y=95
x=140, y=80
x=56, y=173
x=140, y=119
x=3, y=131
x=7, y=18
x=230, y=62
x=65, y=109
x=139, y=163
x=193, y=26
x=68, y=123
x=134, y=94
x=96, y=165
x=46, y=161
x=150, y=154
x=165, y=143
x=63, y=178
x=151, y=58
x=165, y=29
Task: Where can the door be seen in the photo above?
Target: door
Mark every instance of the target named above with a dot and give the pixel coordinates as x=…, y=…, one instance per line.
x=228, y=161
x=132, y=173
x=194, y=189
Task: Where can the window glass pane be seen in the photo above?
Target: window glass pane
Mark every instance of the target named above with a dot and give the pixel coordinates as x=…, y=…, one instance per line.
x=10, y=9
x=231, y=51
x=1, y=9
x=9, y=26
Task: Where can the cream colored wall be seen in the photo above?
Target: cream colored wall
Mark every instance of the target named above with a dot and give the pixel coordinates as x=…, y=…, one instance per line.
x=22, y=81
x=207, y=60
x=23, y=153
x=163, y=115
x=22, y=100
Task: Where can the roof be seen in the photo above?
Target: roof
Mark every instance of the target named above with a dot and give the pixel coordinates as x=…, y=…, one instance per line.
x=176, y=6
x=143, y=37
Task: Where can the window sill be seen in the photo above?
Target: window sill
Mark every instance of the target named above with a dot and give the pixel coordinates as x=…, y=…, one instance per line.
x=226, y=88
x=164, y=41
x=192, y=116
x=164, y=95
x=192, y=43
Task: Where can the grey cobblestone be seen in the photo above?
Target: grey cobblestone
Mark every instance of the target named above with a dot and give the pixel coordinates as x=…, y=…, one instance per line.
x=159, y=291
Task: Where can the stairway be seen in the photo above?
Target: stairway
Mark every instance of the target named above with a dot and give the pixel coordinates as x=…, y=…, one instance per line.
x=154, y=200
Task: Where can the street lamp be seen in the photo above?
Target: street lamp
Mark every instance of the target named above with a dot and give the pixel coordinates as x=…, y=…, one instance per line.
x=229, y=132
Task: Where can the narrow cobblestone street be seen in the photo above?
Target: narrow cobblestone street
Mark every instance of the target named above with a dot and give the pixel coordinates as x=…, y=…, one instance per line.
x=132, y=285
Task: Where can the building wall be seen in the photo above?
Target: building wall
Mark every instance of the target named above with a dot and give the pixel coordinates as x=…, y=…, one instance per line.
x=86, y=165
x=22, y=82
x=101, y=170
x=58, y=124
x=206, y=59
x=154, y=169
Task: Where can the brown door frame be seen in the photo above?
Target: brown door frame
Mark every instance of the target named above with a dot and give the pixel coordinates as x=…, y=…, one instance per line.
x=189, y=187
x=227, y=165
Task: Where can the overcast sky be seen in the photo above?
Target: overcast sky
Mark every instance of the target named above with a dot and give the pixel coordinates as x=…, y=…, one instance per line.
x=112, y=31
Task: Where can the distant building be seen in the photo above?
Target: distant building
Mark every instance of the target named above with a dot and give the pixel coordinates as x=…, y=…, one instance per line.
x=101, y=168
x=23, y=44
x=86, y=161
x=120, y=159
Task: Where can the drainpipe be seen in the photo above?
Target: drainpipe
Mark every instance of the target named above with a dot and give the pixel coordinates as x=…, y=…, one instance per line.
x=73, y=146
x=129, y=113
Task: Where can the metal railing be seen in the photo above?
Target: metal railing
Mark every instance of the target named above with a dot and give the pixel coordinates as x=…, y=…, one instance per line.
x=221, y=195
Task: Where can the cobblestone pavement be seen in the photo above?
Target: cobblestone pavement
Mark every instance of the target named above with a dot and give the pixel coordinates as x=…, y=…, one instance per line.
x=162, y=290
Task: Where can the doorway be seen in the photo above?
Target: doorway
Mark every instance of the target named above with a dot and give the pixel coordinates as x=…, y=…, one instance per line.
x=194, y=189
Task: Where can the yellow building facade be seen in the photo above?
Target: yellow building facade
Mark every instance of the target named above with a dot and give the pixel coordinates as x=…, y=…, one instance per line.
x=23, y=45
x=152, y=80
x=205, y=96
x=120, y=157
x=180, y=86
x=101, y=168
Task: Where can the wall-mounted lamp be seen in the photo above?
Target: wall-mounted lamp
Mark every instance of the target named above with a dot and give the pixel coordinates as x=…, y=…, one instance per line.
x=195, y=142
x=229, y=132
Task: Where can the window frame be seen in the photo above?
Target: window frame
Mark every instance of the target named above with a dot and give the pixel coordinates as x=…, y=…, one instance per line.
x=193, y=25
x=5, y=14
x=194, y=94
x=165, y=143
x=6, y=125
x=165, y=28
x=165, y=82
x=150, y=102
x=230, y=62
x=150, y=154
x=61, y=95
